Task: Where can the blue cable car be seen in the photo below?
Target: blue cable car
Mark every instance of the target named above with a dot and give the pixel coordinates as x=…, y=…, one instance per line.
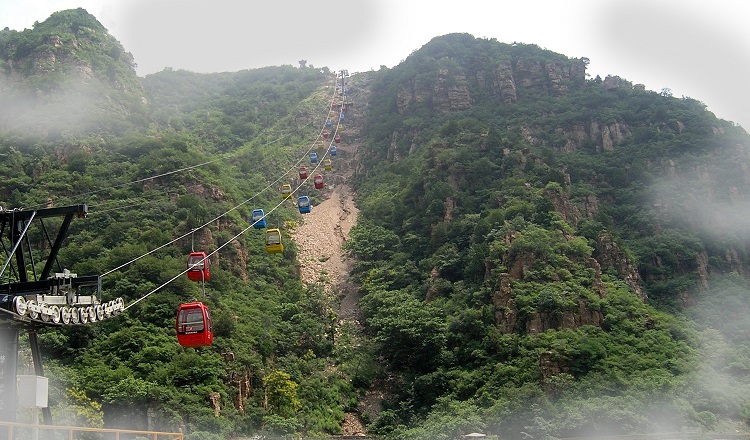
x=333, y=150
x=303, y=203
x=329, y=123
x=341, y=117
x=313, y=157
x=258, y=219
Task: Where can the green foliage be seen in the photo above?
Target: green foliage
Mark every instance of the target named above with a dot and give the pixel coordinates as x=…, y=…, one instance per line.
x=77, y=409
x=508, y=200
x=202, y=145
x=282, y=394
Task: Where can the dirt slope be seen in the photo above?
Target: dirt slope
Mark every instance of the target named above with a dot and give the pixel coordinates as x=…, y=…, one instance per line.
x=323, y=231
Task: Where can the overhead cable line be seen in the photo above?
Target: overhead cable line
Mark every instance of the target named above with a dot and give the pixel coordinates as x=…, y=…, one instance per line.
x=219, y=216
x=161, y=286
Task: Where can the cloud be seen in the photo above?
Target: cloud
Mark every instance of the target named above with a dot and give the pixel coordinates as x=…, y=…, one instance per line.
x=230, y=35
x=686, y=47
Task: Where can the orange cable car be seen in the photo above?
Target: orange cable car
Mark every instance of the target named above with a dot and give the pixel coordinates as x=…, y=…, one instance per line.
x=194, y=326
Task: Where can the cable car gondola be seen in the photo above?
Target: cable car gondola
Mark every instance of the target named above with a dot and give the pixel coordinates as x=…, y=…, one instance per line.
x=286, y=191
x=337, y=138
x=273, y=241
x=341, y=117
x=258, y=218
x=194, y=326
x=328, y=164
x=326, y=133
x=318, y=181
x=313, y=157
x=333, y=150
x=303, y=203
x=329, y=123
x=198, y=267
x=303, y=173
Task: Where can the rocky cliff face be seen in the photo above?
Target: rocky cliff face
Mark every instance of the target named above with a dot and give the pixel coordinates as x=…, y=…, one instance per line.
x=457, y=88
x=508, y=317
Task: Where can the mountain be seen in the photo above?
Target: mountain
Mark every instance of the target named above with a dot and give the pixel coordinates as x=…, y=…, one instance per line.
x=538, y=253
x=538, y=249
x=66, y=76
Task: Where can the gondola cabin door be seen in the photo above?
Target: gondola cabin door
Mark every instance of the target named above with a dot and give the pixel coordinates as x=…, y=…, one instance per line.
x=194, y=326
x=198, y=267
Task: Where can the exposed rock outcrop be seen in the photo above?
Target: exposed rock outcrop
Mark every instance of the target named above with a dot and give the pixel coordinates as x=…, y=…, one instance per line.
x=609, y=254
x=508, y=318
x=455, y=89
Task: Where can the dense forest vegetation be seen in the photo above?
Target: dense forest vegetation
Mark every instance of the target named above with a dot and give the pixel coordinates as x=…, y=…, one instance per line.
x=540, y=254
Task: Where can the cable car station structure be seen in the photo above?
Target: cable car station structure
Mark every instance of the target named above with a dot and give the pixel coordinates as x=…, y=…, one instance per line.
x=32, y=296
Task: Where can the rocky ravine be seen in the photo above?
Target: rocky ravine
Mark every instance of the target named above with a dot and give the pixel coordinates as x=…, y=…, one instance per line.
x=319, y=239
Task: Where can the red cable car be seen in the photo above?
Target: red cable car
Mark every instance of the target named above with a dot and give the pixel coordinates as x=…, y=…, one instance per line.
x=198, y=267
x=318, y=181
x=194, y=326
x=325, y=134
x=303, y=173
x=337, y=138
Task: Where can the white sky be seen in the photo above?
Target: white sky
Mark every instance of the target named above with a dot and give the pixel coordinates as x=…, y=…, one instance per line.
x=696, y=48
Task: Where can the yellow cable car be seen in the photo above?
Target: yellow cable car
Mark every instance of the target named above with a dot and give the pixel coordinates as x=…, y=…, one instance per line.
x=328, y=164
x=273, y=241
x=286, y=191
